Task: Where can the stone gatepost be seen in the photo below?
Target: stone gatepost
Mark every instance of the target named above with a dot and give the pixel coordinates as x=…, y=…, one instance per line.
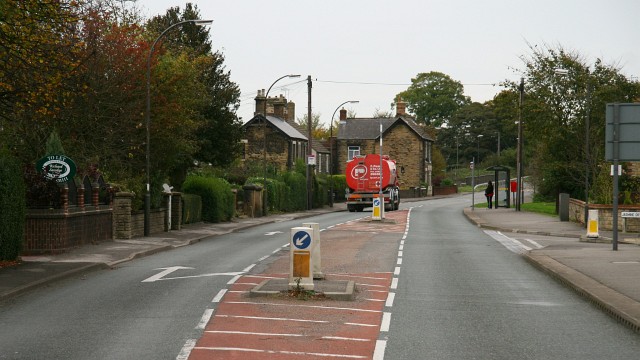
x=122, y=226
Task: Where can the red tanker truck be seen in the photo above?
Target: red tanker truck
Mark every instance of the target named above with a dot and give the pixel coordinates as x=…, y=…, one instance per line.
x=363, y=182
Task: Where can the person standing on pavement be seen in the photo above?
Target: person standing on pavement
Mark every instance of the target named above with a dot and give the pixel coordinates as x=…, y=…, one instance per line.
x=488, y=192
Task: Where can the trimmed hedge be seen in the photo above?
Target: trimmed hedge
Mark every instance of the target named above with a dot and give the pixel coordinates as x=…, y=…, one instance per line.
x=217, y=197
x=191, y=208
x=12, y=206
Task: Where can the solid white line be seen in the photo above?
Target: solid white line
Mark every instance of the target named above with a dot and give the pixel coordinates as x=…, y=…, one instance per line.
x=238, y=291
x=534, y=243
x=360, y=277
x=251, y=333
x=204, y=320
x=357, y=324
x=248, y=268
x=396, y=271
x=390, y=299
x=399, y=262
x=343, y=338
x=372, y=285
x=219, y=296
x=378, y=291
x=305, y=306
x=386, y=322
x=280, y=352
x=394, y=283
x=186, y=350
x=271, y=318
x=234, y=279
x=378, y=353
x=404, y=236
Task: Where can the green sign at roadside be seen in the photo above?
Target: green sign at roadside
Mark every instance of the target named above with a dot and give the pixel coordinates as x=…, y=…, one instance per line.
x=57, y=167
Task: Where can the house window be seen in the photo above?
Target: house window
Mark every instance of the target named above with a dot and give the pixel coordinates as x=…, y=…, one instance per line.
x=353, y=152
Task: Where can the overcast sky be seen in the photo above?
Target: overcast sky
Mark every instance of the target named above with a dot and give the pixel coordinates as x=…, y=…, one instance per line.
x=368, y=50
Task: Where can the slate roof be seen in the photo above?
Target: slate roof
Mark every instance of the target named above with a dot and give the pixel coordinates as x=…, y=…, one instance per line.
x=283, y=126
x=369, y=128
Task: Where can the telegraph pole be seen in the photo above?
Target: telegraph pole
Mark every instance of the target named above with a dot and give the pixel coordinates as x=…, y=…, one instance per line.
x=309, y=149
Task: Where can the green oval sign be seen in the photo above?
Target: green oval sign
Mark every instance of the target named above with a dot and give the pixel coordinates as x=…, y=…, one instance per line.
x=57, y=167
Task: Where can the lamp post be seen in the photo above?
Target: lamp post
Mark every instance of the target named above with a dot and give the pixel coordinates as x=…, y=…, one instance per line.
x=331, y=150
x=147, y=195
x=519, y=148
x=587, y=160
x=265, y=205
x=479, y=136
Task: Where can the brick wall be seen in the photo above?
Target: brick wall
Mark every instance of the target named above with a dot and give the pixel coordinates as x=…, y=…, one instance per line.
x=56, y=230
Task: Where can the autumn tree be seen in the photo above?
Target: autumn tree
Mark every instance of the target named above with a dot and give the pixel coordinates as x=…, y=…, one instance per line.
x=433, y=97
x=38, y=55
x=318, y=130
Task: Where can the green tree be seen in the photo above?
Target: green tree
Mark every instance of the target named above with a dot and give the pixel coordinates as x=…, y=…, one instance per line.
x=12, y=206
x=434, y=97
x=472, y=129
x=218, y=135
x=555, y=112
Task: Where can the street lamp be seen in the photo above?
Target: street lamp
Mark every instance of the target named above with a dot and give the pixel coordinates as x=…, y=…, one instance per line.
x=479, y=136
x=147, y=195
x=331, y=150
x=519, y=148
x=265, y=206
x=587, y=160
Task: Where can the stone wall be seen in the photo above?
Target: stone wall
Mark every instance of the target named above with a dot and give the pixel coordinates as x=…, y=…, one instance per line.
x=128, y=224
x=605, y=215
x=277, y=147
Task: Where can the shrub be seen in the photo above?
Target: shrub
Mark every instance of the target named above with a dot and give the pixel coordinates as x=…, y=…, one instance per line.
x=216, y=195
x=12, y=206
x=339, y=186
x=191, y=208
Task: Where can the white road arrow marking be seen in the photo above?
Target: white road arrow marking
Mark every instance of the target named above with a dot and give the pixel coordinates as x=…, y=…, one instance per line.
x=300, y=241
x=273, y=233
x=166, y=271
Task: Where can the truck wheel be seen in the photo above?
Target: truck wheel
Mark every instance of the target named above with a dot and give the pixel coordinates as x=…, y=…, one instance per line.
x=360, y=208
x=351, y=208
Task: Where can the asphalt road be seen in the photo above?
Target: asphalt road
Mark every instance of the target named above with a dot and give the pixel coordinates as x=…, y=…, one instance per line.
x=148, y=308
x=462, y=294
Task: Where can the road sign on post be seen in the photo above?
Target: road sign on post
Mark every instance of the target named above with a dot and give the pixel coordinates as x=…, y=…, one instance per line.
x=377, y=209
x=301, y=261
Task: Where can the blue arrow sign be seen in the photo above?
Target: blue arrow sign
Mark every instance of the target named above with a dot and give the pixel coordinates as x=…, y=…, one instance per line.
x=376, y=202
x=301, y=239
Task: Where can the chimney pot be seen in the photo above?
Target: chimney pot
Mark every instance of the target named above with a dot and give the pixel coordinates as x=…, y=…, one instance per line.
x=343, y=114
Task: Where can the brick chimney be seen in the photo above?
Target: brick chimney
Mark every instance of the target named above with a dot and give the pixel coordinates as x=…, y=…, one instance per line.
x=401, y=107
x=343, y=114
x=260, y=102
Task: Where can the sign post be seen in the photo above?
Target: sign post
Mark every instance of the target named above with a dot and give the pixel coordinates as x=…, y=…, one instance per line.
x=301, y=261
x=622, y=135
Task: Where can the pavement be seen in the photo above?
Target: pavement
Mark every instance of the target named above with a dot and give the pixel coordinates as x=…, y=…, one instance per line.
x=609, y=279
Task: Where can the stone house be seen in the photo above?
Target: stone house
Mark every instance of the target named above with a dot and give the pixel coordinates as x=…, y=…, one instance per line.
x=402, y=139
x=286, y=141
